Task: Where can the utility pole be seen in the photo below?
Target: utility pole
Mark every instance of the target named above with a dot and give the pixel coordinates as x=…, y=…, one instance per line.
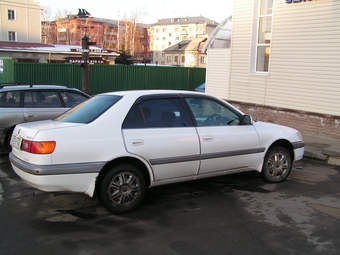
x=85, y=42
x=85, y=45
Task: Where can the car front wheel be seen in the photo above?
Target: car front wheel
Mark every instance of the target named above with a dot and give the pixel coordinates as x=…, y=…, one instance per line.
x=277, y=165
x=122, y=189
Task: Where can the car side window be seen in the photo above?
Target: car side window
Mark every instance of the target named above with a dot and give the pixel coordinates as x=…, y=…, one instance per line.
x=72, y=99
x=208, y=112
x=10, y=99
x=41, y=99
x=156, y=113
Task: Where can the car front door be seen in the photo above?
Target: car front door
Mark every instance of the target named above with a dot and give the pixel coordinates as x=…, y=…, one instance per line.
x=158, y=130
x=226, y=144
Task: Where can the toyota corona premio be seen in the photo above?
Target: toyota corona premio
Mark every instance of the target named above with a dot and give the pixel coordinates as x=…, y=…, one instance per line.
x=116, y=145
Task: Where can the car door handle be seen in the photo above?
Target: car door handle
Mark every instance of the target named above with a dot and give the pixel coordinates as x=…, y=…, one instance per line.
x=137, y=142
x=31, y=116
x=208, y=139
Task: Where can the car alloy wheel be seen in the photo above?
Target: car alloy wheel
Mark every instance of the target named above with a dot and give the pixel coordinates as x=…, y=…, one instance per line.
x=277, y=165
x=122, y=189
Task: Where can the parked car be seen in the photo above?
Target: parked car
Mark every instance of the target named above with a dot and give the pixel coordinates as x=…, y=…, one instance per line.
x=117, y=144
x=200, y=88
x=26, y=103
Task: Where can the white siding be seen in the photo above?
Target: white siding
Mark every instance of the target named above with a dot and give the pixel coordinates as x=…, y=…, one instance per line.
x=244, y=87
x=218, y=72
x=305, y=61
x=305, y=57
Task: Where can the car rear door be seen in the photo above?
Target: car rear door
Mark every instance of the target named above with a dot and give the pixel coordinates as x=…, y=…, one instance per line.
x=42, y=105
x=158, y=129
x=226, y=144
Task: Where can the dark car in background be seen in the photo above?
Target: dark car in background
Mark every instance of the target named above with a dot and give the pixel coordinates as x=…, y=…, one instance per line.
x=26, y=103
x=200, y=88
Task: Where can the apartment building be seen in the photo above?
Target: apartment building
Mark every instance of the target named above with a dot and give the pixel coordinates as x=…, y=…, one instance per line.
x=168, y=32
x=113, y=35
x=187, y=53
x=20, y=21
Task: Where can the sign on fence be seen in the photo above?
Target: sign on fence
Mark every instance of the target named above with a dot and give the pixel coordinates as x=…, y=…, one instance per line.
x=1, y=66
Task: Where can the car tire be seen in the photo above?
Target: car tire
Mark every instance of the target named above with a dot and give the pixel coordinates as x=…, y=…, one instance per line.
x=8, y=140
x=277, y=165
x=122, y=189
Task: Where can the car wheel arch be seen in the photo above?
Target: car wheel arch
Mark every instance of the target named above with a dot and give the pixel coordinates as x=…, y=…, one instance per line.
x=8, y=136
x=285, y=144
x=141, y=166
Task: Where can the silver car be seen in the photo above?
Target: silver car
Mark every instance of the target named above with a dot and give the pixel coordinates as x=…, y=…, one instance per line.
x=26, y=103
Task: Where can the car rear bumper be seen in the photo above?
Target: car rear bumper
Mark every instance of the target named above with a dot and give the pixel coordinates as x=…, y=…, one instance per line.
x=58, y=178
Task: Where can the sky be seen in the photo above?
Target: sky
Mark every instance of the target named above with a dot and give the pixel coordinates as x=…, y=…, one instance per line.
x=151, y=10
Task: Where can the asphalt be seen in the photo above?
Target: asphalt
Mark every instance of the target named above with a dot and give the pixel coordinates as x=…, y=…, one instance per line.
x=322, y=149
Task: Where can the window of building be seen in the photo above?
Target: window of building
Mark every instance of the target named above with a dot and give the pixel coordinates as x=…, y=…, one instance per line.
x=11, y=14
x=183, y=59
x=156, y=54
x=157, y=38
x=164, y=30
x=169, y=43
x=176, y=59
x=191, y=29
x=176, y=29
x=163, y=54
x=157, y=30
x=261, y=37
x=164, y=38
x=177, y=38
x=168, y=59
x=170, y=34
x=12, y=36
x=202, y=59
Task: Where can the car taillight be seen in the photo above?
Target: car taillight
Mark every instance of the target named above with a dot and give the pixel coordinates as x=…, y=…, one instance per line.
x=38, y=147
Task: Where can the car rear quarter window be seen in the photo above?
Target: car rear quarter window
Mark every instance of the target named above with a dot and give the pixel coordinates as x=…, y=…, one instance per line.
x=89, y=110
x=72, y=99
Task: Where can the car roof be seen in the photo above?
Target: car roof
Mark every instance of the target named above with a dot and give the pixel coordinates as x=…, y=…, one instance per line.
x=32, y=86
x=149, y=92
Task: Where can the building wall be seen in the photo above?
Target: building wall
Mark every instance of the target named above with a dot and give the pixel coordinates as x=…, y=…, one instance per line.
x=304, y=70
x=164, y=36
x=302, y=87
x=26, y=24
x=218, y=72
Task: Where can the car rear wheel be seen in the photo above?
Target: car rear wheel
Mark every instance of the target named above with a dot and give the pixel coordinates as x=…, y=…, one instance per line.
x=277, y=165
x=122, y=189
x=8, y=140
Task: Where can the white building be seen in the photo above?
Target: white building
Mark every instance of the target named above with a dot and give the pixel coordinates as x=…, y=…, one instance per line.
x=283, y=64
x=187, y=53
x=168, y=32
x=20, y=21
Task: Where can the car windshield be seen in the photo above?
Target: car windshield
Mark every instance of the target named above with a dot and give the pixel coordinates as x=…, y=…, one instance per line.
x=89, y=110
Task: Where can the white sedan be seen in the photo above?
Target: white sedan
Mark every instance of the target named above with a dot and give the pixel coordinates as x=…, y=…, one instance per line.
x=117, y=144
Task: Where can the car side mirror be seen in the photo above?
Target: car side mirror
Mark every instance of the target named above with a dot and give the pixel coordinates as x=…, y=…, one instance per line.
x=247, y=119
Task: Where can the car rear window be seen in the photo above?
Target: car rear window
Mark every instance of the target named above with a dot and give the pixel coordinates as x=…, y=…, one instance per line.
x=89, y=110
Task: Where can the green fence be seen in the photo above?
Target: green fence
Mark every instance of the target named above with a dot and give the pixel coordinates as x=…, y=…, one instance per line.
x=105, y=78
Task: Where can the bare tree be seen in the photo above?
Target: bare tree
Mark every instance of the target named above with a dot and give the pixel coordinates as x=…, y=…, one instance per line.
x=48, y=28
